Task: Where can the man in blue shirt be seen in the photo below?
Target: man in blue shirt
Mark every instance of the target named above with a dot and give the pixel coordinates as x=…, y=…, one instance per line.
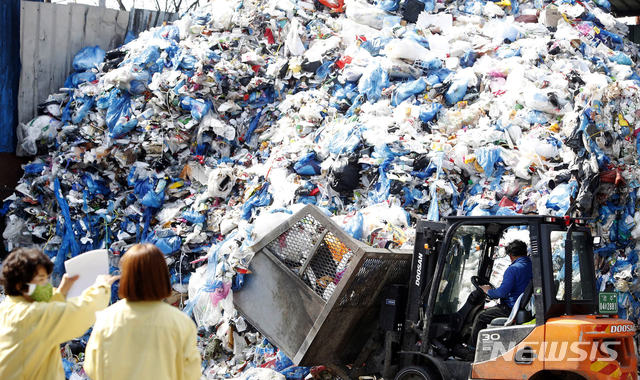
x=514, y=281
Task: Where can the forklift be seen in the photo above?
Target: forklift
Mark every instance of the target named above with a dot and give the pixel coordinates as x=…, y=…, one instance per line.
x=324, y=298
x=547, y=336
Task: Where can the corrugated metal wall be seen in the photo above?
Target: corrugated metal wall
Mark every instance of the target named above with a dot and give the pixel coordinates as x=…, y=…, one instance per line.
x=52, y=34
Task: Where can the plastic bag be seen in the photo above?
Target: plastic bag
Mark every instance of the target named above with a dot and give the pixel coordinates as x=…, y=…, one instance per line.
x=428, y=111
x=354, y=226
x=198, y=107
x=388, y=5
x=365, y=14
x=293, y=42
x=148, y=57
x=193, y=216
x=560, y=197
x=87, y=102
x=260, y=199
x=621, y=59
x=487, y=158
x=307, y=165
x=457, y=91
x=346, y=140
x=76, y=79
x=118, y=115
x=406, y=90
x=168, y=32
x=375, y=45
x=374, y=79
x=88, y=58
x=168, y=245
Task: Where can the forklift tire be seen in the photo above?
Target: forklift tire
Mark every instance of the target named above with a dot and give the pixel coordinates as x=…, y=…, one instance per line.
x=416, y=373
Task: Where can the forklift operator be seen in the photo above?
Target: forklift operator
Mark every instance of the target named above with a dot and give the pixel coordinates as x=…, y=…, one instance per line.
x=514, y=281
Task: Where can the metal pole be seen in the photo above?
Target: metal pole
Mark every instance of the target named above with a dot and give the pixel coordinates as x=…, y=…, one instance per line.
x=102, y=3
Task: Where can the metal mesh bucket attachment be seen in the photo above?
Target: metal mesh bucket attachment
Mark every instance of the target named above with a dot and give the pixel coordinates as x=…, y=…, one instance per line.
x=314, y=289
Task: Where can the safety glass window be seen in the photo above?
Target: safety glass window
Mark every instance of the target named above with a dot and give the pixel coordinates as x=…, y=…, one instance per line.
x=581, y=279
x=463, y=262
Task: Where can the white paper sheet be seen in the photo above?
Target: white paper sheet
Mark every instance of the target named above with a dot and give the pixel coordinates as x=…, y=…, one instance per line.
x=88, y=266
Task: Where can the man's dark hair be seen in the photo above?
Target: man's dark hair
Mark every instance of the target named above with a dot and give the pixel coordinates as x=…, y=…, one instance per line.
x=20, y=267
x=517, y=248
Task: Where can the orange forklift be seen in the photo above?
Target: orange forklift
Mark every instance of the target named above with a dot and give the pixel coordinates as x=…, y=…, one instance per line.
x=547, y=336
x=324, y=298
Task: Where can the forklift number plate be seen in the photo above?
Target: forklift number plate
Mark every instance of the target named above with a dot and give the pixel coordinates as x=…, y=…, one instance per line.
x=608, y=303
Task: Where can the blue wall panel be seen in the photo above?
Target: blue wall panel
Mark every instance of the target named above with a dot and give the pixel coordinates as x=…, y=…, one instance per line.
x=9, y=73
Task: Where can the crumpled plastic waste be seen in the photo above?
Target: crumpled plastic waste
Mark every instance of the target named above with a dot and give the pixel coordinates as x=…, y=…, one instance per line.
x=203, y=135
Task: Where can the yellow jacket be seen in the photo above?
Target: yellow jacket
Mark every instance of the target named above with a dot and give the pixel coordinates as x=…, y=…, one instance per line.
x=31, y=332
x=143, y=340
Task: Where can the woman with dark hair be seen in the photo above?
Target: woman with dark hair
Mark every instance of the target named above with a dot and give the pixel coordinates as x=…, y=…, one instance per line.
x=35, y=318
x=141, y=337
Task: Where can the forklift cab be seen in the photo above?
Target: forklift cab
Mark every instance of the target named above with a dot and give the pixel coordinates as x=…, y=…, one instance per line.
x=453, y=259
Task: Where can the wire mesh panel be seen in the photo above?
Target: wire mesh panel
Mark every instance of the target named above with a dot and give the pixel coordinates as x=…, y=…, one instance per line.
x=372, y=273
x=328, y=265
x=296, y=244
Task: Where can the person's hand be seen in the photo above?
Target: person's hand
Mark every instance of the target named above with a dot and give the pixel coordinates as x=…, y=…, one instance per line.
x=485, y=288
x=65, y=284
x=106, y=279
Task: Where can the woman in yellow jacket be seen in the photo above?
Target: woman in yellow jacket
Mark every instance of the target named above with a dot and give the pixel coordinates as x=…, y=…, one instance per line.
x=141, y=337
x=35, y=318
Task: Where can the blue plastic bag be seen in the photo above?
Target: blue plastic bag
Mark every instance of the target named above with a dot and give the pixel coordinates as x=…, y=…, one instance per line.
x=148, y=57
x=252, y=127
x=354, y=226
x=259, y=199
x=137, y=87
x=198, y=107
x=388, y=5
x=87, y=102
x=346, y=140
x=76, y=79
x=307, y=165
x=119, y=113
x=168, y=245
x=323, y=71
x=34, y=168
x=129, y=37
x=373, y=80
x=88, y=58
x=487, y=158
x=604, y=4
x=375, y=45
x=621, y=59
x=560, y=197
x=428, y=111
x=457, y=91
x=468, y=59
x=380, y=192
x=193, y=216
x=406, y=90
x=168, y=32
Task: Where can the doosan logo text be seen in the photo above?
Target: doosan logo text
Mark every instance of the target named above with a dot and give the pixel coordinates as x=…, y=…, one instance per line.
x=622, y=328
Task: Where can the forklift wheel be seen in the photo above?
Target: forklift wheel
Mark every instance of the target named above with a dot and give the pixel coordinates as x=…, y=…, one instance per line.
x=416, y=373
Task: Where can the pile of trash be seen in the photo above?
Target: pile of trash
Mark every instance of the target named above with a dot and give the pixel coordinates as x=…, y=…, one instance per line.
x=202, y=135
